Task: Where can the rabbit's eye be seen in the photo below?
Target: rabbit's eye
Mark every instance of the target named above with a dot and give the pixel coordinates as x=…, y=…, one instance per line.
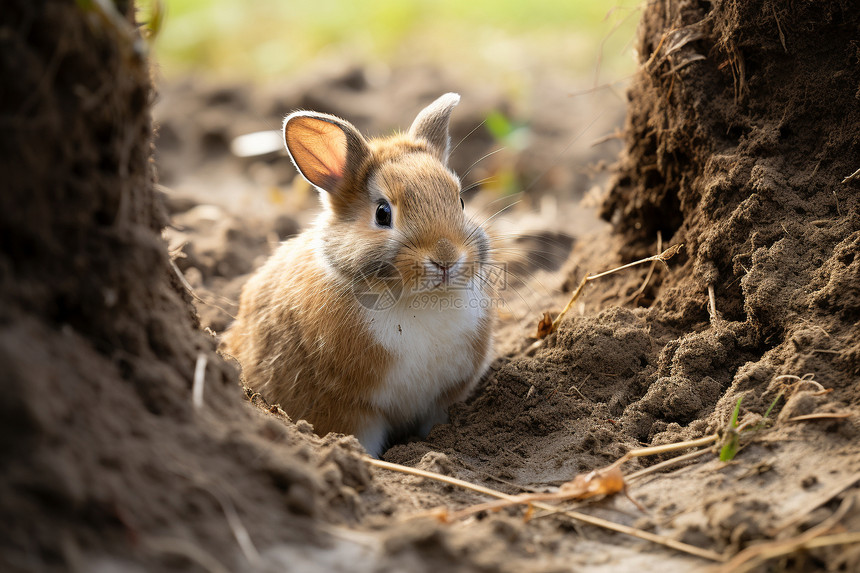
x=462, y=204
x=383, y=214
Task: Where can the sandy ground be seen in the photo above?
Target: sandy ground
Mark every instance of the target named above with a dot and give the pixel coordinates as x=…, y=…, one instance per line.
x=622, y=372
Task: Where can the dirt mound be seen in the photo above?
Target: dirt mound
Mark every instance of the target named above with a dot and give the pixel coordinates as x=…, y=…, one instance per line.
x=745, y=165
x=105, y=459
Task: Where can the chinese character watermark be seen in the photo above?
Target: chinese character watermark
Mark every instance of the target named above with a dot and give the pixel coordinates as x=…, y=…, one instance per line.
x=381, y=287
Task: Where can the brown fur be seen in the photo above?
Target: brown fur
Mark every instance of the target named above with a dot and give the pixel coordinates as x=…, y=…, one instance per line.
x=300, y=335
x=296, y=338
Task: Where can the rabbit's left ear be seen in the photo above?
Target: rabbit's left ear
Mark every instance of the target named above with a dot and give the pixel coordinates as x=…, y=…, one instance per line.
x=326, y=150
x=431, y=125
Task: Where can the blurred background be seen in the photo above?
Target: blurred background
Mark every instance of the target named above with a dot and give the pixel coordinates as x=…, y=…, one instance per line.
x=543, y=104
x=497, y=40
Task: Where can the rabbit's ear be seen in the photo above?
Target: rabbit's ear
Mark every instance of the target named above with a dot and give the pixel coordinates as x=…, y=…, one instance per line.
x=326, y=150
x=431, y=125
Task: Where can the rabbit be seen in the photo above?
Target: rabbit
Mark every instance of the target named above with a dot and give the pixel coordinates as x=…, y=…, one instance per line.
x=378, y=317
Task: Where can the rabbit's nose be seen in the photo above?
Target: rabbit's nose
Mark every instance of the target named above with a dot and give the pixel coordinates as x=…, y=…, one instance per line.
x=444, y=254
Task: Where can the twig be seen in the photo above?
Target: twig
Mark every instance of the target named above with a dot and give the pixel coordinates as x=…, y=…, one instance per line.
x=662, y=257
x=199, y=379
x=605, y=482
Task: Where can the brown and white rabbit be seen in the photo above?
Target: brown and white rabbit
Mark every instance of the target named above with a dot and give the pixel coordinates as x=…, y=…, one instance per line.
x=376, y=319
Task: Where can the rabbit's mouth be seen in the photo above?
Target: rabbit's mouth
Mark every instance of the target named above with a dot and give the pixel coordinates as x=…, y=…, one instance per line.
x=442, y=276
x=443, y=273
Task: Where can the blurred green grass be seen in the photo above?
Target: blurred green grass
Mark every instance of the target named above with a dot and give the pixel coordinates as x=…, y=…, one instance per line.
x=269, y=39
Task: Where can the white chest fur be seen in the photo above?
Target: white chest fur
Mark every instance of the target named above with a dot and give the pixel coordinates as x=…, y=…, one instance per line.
x=431, y=340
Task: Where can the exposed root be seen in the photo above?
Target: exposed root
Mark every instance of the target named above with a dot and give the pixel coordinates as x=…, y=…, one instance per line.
x=617, y=134
x=712, y=305
x=199, y=380
x=852, y=177
x=779, y=29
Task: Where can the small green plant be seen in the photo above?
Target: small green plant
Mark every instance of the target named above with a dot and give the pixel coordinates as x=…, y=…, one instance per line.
x=731, y=443
x=732, y=437
x=150, y=15
x=764, y=420
x=506, y=131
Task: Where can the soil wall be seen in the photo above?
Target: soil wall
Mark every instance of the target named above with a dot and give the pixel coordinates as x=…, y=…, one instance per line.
x=105, y=461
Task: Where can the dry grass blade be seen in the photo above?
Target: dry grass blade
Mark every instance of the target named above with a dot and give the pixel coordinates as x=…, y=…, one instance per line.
x=667, y=464
x=582, y=517
x=752, y=557
x=664, y=448
x=820, y=416
x=437, y=477
x=779, y=29
x=662, y=257
x=240, y=532
x=606, y=481
x=190, y=290
x=647, y=280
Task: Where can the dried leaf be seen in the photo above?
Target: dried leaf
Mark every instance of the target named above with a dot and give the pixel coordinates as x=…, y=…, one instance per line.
x=544, y=327
x=598, y=482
